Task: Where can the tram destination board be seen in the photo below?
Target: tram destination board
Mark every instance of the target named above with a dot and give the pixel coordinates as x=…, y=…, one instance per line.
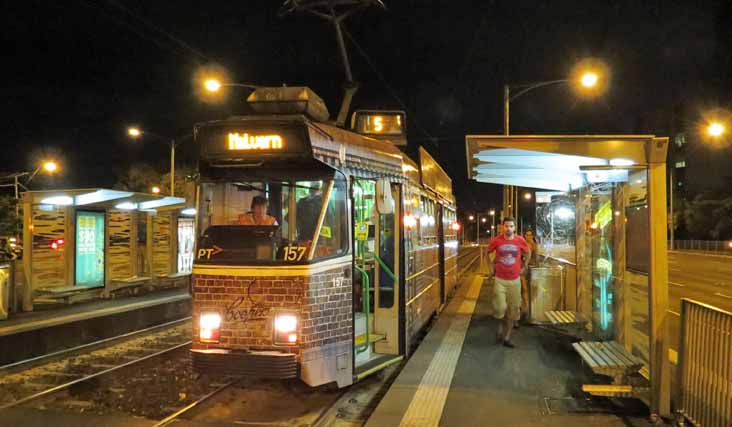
x=251, y=141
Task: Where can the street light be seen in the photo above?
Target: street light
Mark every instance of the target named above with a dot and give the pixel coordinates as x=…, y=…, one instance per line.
x=715, y=129
x=527, y=196
x=214, y=85
x=155, y=190
x=471, y=217
x=135, y=133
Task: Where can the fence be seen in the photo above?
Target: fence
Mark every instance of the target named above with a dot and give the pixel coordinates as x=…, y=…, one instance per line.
x=705, y=371
x=701, y=245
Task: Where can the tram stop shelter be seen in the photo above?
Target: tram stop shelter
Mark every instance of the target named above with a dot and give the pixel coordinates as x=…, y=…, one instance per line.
x=602, y=273
x=84, y=244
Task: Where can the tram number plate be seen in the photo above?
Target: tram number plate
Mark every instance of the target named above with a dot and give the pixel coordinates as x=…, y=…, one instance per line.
x=294, y=253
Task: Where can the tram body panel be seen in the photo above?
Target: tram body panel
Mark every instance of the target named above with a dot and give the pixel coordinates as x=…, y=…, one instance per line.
x=331, y=285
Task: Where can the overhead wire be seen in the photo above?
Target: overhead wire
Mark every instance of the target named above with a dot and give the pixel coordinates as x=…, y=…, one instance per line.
x=393, y=92
x=167, y=43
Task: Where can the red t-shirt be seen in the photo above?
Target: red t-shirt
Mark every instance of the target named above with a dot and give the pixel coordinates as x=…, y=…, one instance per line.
x=508, y=256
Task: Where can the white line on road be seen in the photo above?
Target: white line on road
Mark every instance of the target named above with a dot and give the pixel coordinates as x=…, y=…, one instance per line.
x=722, y=295
x=676, y=284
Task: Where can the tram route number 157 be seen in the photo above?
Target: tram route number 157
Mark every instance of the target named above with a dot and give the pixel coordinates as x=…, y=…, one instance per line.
x=294, y=253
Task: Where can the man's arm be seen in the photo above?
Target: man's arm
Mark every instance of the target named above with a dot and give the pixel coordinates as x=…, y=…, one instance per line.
x=527, y=258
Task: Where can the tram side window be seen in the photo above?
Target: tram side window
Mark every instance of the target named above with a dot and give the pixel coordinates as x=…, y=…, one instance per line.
x=308, y=200
x=333, y=237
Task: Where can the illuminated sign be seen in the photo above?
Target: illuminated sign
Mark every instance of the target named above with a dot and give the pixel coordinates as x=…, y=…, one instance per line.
x=379, y=123
x=244, y=141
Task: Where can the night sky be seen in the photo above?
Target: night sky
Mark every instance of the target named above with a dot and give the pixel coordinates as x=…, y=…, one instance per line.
x=76, y=73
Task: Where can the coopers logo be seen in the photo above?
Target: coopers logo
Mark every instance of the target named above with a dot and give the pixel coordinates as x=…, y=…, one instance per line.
x=246, y=142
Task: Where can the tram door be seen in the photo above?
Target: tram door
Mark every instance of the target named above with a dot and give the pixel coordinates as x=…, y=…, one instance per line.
x=441, y=251
x=376, y=269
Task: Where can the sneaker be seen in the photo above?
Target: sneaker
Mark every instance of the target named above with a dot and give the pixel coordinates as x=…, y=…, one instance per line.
x=508, y=344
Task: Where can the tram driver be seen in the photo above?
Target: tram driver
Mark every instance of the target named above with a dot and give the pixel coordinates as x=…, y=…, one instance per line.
x=258, y=214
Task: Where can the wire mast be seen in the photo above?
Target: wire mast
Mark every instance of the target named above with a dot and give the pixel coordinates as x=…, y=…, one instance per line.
x=335, y=12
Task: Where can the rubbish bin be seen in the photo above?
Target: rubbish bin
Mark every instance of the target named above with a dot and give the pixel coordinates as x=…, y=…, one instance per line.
x=545, y=292
x=5, y=282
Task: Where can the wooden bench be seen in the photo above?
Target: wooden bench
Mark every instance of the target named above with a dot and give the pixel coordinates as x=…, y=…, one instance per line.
x=610, y=359
x=129, y=282
x=570, y=322
x=172, y=280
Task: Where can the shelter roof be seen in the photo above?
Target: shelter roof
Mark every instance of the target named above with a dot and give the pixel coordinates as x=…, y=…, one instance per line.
x=104, y=198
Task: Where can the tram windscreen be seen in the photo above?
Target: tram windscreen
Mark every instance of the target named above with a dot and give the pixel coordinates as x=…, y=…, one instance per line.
x=270, y=221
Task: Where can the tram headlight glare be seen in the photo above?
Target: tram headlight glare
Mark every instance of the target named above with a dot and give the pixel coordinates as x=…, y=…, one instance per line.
x=285, y=323
x=210, y=325
x=285, y=329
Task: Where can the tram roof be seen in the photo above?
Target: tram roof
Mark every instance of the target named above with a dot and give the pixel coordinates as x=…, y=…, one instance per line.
x=556, y=162
x=104, y=198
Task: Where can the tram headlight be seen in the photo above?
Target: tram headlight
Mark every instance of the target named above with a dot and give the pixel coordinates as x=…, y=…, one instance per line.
x=285, y=329
x=209, y=327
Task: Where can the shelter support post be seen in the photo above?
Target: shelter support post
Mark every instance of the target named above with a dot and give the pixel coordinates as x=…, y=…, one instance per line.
x=658, y=288
x=27, y=298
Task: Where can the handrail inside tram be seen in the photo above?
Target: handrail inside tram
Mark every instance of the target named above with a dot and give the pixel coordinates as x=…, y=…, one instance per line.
x=366, y=303
x=386, y=269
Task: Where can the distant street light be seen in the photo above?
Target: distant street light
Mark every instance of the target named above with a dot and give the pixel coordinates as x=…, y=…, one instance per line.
x=214, y=85
x=483, y=219
x=155, y=190
x=471, y=217
x=527, y=196
x=589, y=79
x=48, y=166
x=135, y=132
x=715, y=129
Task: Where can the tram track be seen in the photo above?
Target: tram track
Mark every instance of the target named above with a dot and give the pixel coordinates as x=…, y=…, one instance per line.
x=55, y=373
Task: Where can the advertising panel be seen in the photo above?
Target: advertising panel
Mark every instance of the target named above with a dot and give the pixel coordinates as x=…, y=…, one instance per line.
x=90, y=248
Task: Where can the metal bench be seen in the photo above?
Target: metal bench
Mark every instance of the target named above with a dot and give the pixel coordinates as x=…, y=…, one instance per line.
x=570, y=322
x=127, y=283
x=611, y=359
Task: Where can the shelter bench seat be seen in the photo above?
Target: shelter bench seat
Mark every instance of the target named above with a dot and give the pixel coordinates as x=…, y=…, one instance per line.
x=611, y=359
x=64, y=294
x=173, y=280
x=568, y=322
x=130, y=282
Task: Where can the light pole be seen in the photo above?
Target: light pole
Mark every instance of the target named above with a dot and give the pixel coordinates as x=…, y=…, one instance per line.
x=493, y=226
x=584, y=75
x=135, y=132
x=477, y=231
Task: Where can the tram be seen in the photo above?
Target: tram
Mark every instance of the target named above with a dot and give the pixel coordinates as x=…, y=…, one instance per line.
x=322, y=251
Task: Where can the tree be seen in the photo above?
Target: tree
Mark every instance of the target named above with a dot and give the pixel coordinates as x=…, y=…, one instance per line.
x=707, y=217
x=140, y=178
x=10, y=224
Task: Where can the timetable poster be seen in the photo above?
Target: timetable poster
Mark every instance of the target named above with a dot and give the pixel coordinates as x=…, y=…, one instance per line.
x=89, y=249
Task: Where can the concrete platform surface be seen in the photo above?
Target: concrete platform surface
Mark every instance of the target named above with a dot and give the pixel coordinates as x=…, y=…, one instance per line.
x=538, y=383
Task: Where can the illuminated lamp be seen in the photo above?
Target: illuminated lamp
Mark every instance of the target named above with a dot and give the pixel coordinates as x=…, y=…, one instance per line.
x=455, y=226
x=621, y=162
x=409, y=221
x=188, y=211
x=126, y=206
x=58, y=200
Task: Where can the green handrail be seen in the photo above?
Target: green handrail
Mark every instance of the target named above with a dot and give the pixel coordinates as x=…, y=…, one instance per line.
x=384, y=266
x=366, y=304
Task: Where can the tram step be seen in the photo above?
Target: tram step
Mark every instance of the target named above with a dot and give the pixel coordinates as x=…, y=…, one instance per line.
x=360, y=339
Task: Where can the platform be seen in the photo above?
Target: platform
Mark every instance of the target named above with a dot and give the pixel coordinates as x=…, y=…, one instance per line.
x=33, y=334
x=459, y=376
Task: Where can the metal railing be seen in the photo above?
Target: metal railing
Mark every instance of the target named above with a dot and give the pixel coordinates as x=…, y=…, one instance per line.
x=721, y=246
x=705, y=365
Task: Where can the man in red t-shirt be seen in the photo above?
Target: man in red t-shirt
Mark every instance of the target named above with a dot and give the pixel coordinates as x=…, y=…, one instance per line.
x=507, y=268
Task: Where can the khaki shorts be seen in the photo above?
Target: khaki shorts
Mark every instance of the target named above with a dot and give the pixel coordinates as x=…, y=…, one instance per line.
x=507, y=298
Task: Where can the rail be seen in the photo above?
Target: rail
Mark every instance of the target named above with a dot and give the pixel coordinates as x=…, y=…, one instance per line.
x=714, y=246
x=705, y=371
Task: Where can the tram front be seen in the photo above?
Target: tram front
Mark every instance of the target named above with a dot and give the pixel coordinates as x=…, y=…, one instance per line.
x=272, y=275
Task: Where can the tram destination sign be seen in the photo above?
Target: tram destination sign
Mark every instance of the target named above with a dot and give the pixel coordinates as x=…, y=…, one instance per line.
x=251, y=141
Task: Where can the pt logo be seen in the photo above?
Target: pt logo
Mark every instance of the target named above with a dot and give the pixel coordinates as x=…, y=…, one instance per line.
x=208, y=252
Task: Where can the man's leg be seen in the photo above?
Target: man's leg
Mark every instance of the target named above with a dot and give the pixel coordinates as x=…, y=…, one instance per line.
x=513, y=311
x=499, y=306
